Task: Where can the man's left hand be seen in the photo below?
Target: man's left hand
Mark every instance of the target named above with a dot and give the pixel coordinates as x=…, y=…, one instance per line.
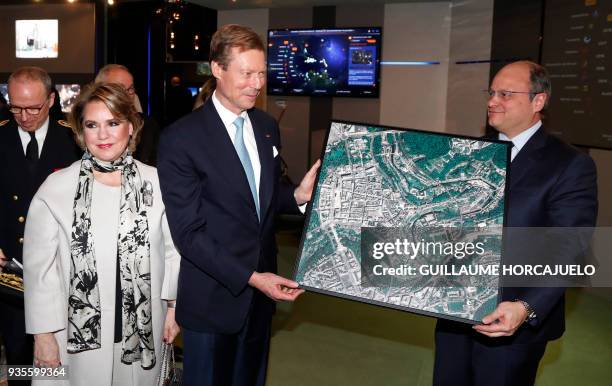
x=303, y=192
x=275, y=287
x=504, y=321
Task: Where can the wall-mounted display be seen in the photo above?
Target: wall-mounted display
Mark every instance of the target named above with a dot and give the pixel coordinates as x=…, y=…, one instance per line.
x=67, y=95
x=36, y=38
x=331, y=62
x=4, y=91
x=576, y=52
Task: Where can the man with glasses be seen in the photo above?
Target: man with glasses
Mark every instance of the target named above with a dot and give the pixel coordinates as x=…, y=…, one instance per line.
x=146, y=151
x=551, y=185
x=32, y=146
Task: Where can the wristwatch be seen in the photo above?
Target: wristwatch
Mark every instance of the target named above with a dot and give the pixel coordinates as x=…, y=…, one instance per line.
x=531, y=315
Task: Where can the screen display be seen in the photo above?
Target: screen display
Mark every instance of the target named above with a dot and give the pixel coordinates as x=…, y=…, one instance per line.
x=4, y=91
x=576, y=51
x=194, y=91
x=67, y=95
x=36, y=38
x=332, y=62
x=203, y=68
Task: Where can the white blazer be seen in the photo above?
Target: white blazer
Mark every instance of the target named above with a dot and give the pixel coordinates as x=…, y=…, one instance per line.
x=46, y=262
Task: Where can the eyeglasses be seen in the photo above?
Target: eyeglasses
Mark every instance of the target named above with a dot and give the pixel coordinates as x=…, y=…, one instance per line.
x=506, y=94
x=131, y=90
x=31, y=110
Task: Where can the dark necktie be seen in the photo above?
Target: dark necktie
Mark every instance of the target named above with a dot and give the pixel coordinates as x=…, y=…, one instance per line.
x=32, y=152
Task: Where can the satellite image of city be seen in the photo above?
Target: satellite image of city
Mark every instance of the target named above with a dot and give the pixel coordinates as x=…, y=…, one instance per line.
x=322, y=63
x=430, y=186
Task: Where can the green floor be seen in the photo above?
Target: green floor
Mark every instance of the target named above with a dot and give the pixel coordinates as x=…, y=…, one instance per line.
x=321, y=340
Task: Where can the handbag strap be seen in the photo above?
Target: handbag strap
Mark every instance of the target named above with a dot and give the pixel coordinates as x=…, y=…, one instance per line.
x=172, y=362
x=167, y=363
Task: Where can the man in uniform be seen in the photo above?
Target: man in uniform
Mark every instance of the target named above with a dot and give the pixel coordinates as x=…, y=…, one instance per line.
x=32, y=146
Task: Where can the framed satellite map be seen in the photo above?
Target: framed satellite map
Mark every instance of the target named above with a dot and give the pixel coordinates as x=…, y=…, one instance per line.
x=407, y=219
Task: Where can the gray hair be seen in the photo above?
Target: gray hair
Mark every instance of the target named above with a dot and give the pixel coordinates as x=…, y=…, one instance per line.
x=539, y=80
x=102, y=75
x=33, y=73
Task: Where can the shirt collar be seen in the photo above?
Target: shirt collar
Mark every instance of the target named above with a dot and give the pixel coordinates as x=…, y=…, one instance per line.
x=520, y=140
x=40, y=133
x=227, y=117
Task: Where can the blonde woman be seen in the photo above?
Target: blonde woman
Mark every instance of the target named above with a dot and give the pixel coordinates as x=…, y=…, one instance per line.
x=100, y=267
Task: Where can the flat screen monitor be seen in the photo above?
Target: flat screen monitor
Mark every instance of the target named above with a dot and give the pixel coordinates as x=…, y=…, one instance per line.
x=36, y=38
x=342, y=62
x=4, y=91
x=203, y=68
x=67, y=95
x=194, y=91
x=576, y=52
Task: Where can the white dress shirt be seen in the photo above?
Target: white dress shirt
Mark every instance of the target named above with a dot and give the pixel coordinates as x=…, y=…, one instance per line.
x=228, y=118
x=39, y=134
x=520, y=140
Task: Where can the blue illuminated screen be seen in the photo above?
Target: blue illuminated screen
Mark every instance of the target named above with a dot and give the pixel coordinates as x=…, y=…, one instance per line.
x=333, y=62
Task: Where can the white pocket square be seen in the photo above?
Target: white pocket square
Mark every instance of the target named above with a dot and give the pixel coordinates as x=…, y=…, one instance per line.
x=274, y=151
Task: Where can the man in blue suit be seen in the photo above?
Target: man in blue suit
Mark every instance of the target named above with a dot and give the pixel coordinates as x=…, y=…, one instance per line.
x=551, y=185
x=219, y=172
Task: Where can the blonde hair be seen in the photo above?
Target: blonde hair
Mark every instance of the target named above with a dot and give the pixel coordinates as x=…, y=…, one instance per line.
x=227, y=37
x=118, y=102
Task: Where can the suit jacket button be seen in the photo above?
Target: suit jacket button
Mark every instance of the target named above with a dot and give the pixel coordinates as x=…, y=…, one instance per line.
x=21, y=219
x=15, y=198
x=20, y=240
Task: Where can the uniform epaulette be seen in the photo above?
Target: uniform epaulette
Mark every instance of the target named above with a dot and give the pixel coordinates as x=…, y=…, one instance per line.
x=2, y=123
x=64, y=123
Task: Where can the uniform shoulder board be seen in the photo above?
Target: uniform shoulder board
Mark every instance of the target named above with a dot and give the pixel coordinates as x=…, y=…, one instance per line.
x=2, y=123
x=64, y=123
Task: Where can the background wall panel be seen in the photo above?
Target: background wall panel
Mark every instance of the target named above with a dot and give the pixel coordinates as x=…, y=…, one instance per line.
x=415, y=96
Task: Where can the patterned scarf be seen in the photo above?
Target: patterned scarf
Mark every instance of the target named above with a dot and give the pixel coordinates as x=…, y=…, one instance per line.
x=84, y=314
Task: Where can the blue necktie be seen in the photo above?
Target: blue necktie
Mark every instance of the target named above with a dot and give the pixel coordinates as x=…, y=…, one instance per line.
x=245, y=160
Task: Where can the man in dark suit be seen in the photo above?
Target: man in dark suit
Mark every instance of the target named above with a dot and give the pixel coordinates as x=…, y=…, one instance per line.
x=551, y=185
x=219, y=172
x=32, y=146
x=146, y=151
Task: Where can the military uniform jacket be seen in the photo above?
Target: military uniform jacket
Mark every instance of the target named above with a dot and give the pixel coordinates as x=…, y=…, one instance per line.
x=18, y=185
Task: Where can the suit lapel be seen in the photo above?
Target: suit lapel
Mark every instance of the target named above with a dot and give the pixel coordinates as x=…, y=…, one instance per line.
x=223, y=152
x=16, y=156
x=46, y=155
x=48, y=161
x=266, y=161
x=17, y=148
x=519, y=168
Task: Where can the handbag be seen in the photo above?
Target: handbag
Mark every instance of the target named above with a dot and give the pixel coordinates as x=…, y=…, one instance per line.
x=169, y=374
